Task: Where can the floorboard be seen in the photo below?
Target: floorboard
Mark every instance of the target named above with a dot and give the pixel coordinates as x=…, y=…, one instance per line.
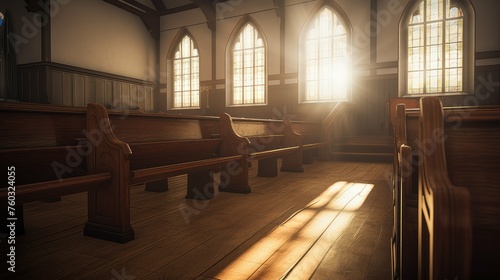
x=332, y=221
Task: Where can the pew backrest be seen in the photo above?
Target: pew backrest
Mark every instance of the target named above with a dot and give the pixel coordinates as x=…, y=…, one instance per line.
x=459, y=191
x=43, y=141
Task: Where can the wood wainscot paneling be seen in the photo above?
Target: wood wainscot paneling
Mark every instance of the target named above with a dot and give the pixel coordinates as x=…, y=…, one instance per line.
x=48, y=82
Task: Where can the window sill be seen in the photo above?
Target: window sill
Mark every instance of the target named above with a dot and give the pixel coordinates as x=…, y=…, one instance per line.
x=246, y=105
x=440, y=94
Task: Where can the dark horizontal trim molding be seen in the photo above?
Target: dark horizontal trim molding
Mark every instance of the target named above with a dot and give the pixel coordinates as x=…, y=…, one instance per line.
x=84, y=71
x=488, y=68
x=378, y=65
x=284, y=76
x=179, y=9
x=488, y=54
x=379, y=77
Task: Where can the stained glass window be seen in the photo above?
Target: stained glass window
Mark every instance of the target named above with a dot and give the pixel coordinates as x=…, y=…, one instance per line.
x=186, y=71
x=326, y=58
x=249, y=67
x=435, y=48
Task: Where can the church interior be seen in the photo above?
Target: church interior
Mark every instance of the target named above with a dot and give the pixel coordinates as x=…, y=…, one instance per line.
x=237, y=139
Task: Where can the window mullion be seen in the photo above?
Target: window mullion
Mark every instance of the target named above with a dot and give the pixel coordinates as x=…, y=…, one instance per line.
x=443, y=51
x=425, y=46
x=253, y=71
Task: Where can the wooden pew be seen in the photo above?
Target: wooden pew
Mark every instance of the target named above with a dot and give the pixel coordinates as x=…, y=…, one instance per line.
x=459, y=192
x=312, y=138
x=44, y=144
x=152, y=147
x=404, y=242
x=262, y=140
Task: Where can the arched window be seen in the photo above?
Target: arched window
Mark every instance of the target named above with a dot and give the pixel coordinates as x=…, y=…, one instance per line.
x=248, y=80
x=437, y=49
x=186, y=74
x=324, y=69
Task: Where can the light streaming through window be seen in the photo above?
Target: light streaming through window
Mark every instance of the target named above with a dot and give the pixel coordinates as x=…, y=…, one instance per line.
x=249, y=74
x=435, y=48
x=186, y=75
x=327, y=71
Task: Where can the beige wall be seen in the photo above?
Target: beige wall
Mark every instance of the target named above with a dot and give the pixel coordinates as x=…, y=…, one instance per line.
x=84, y=36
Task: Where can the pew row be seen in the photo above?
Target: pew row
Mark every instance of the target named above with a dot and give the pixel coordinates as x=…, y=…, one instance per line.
x=404, y=241
x=44, y=146
x=459, y=192
x=153, y=147
x=262, y=140
x=404, y=254
x=312, y=139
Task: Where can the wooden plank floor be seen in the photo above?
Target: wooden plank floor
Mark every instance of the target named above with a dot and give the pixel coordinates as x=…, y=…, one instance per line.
x=334, y=221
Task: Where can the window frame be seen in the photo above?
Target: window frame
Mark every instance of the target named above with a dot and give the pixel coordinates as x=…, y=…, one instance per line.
x=246, y=19
x=468, y=47
x=170, y=70
x=302, y=62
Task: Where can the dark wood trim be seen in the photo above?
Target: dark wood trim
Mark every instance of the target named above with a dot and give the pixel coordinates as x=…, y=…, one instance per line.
x=83, y=71
x=488, y=54
x=159, y=5
x=140, y=6
x=208, y=9
x=179, y=9
x=46, y=32
x=378, y=65
x=394, y=64
x=373, y=34
x=283, y=76
x=379, y=77
x=488, y=68
x=214, y=55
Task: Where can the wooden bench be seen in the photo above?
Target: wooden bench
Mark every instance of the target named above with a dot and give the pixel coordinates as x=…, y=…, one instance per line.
x=312, y=138
x=155, y=146
x=459, y=192
x=44, y=145
x=262, y=140
x=404, y=242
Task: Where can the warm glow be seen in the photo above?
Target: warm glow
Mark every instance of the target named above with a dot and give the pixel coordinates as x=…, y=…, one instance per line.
x=327, y=64
x=322, y=221
x=186, y=71
x=249, y=69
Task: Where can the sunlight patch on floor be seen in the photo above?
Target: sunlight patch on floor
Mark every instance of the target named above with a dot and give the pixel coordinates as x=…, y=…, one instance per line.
x=297, y=245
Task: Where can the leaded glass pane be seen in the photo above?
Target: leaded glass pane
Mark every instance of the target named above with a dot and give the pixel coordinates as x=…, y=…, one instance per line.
x=434, y=10
x=326, y=58
x=249, y=67
x=436, y=64
x=186, y=74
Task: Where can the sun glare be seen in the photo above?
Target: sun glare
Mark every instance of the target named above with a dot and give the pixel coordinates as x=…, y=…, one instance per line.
x=327, y=70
